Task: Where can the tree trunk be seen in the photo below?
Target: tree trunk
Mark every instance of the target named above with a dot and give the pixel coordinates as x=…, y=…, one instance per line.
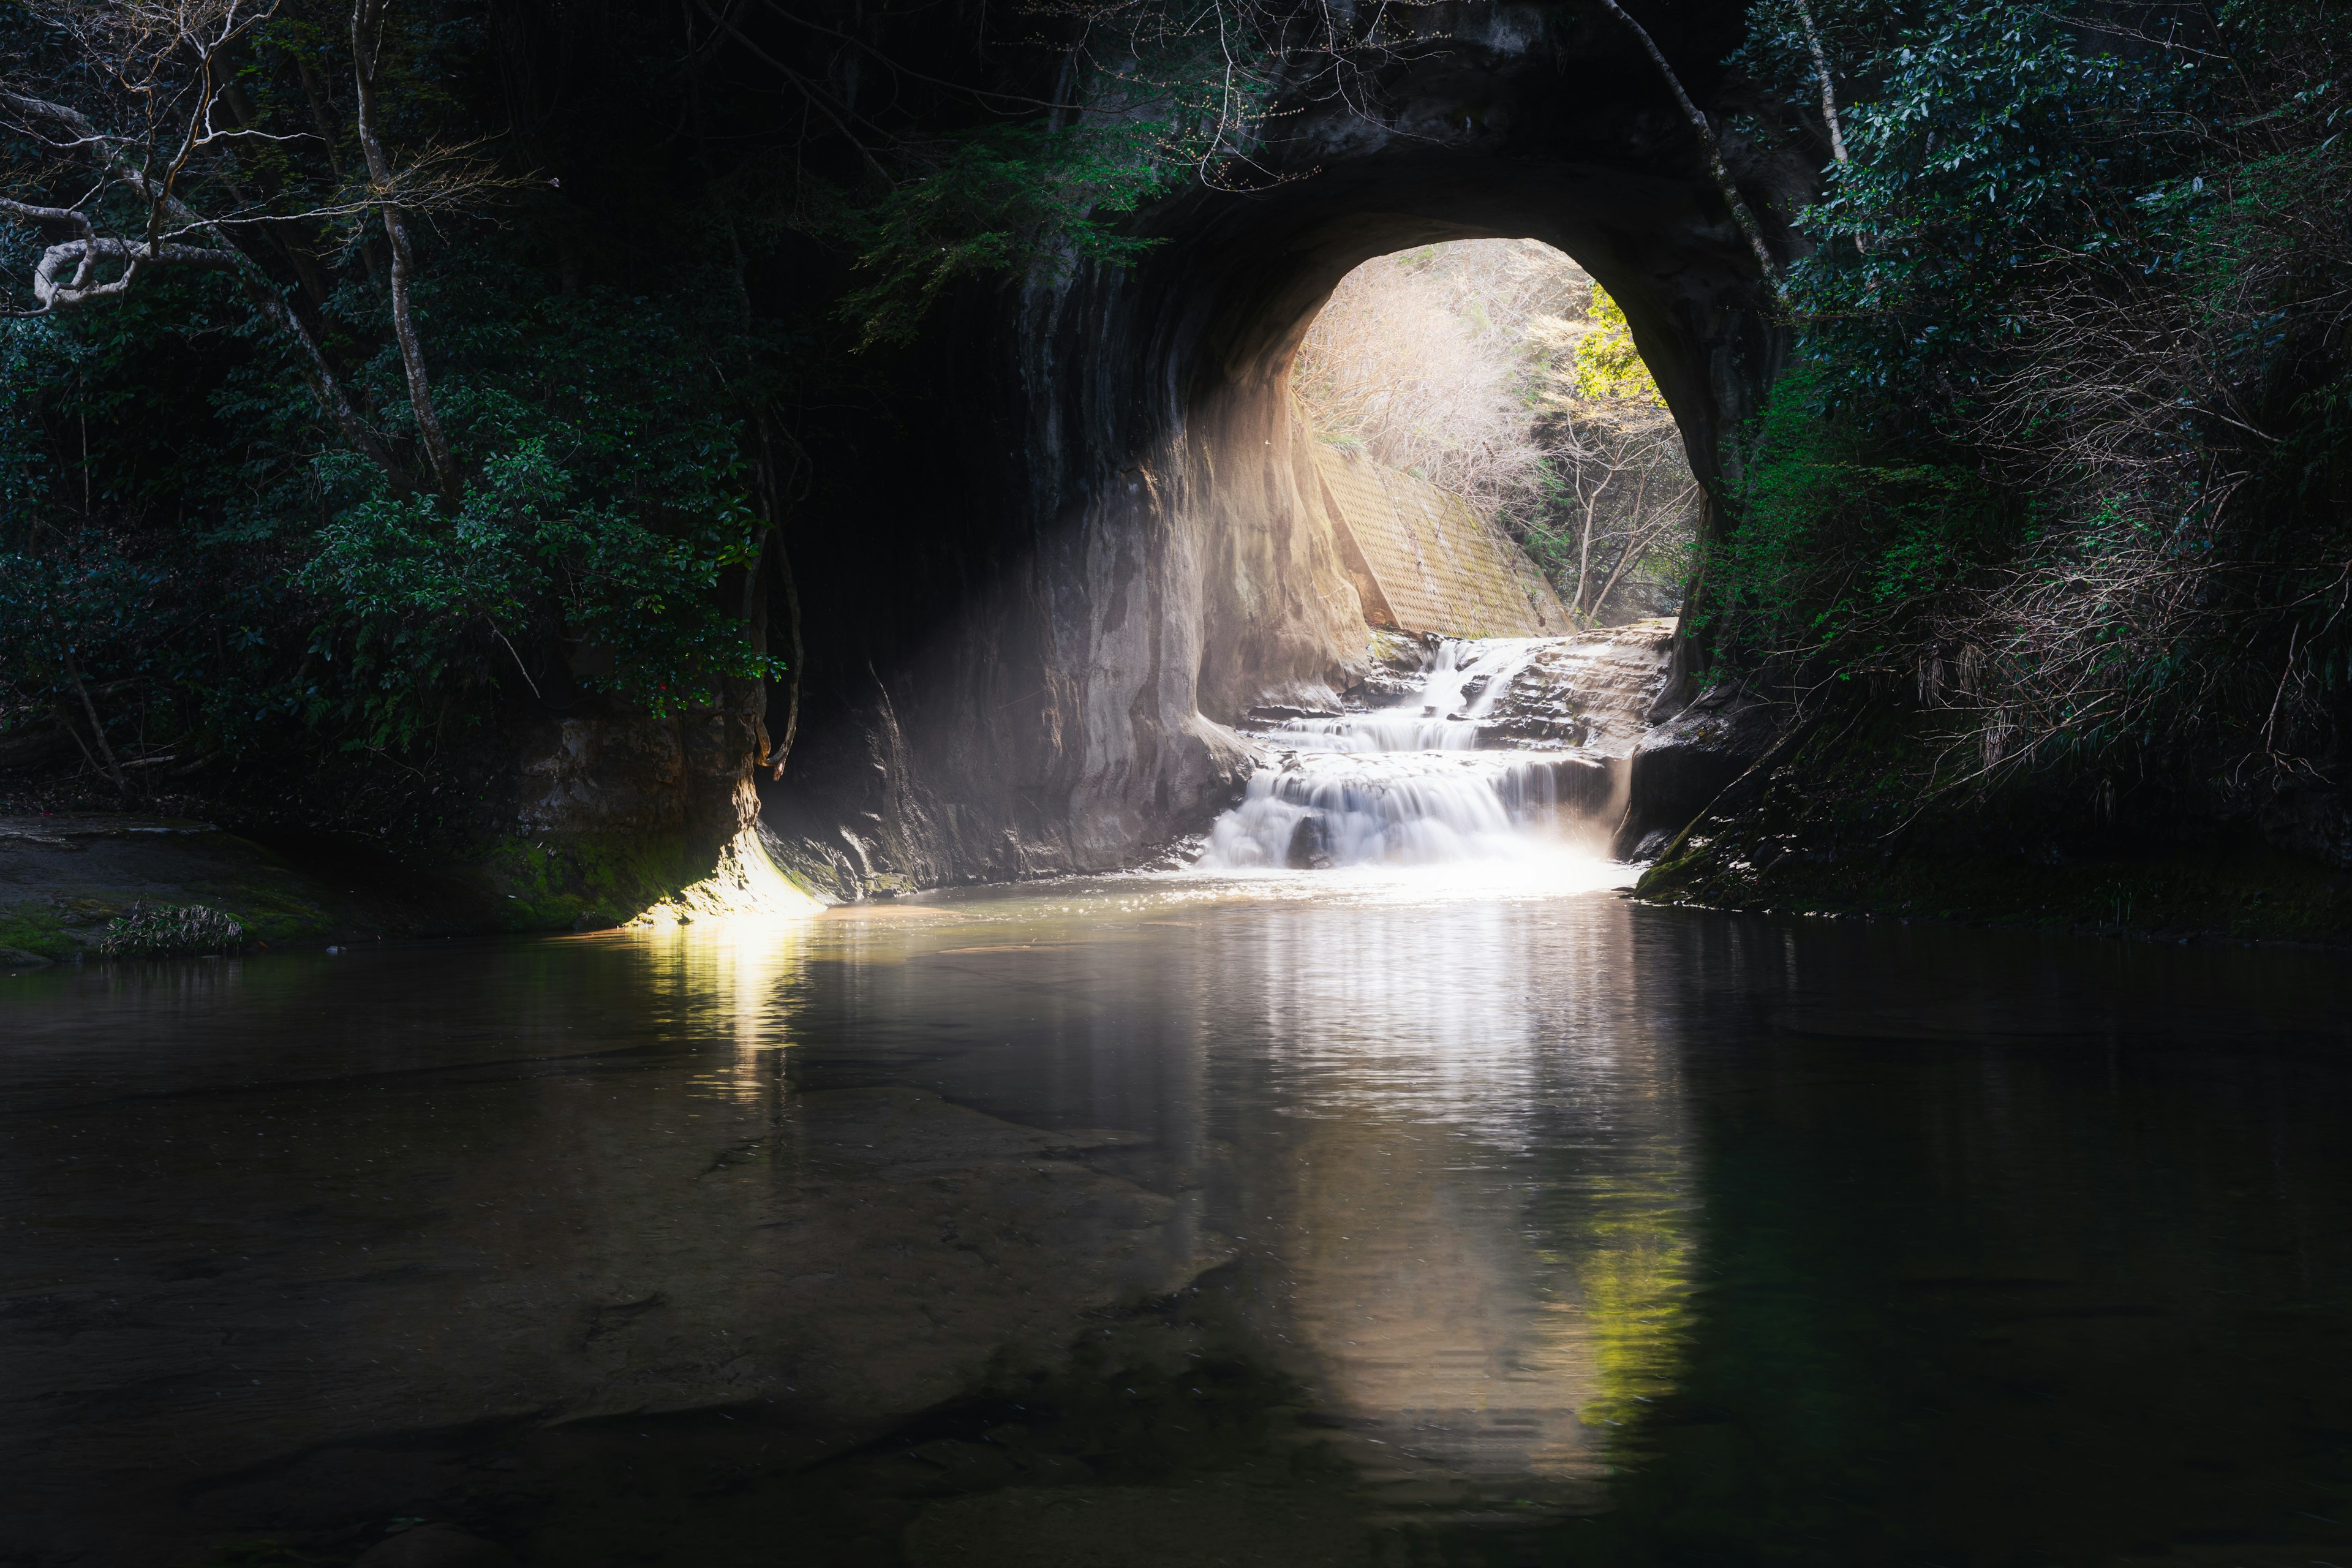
x=1741, y=214
x=776, y=504
x=1822, y=70
x=782, y=749
x=113, y=768
x=367, y=17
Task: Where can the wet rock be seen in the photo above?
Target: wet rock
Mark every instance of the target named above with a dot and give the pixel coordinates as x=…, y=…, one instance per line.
x=63, y=879
x=836, y=1286
x=1310, y=845
x=1395, y=653
x=1683, y=765
x=1651, y=845
x=1597, y=689
x=16, y=958
x=435, y=1546
x=1383, y=687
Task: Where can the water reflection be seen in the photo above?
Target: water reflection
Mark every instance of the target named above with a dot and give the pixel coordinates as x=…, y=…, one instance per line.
x=1480, y=1210
x=1265, y=1209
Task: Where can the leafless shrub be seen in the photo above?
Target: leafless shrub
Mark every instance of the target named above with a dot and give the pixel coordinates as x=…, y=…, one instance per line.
x=2137, y=615
x=1459, y=363
x=136, y=166
x=1624, y=488
x=1417, y=359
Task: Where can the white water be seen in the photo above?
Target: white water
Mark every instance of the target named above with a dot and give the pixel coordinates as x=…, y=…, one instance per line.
x=1438, y=720
x=1407, y=784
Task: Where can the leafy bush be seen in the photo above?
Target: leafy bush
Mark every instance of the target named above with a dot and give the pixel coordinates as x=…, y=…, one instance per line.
x=1838, y=551
x=2062, y=449
x=1607, y=365
x=609, y=491
x=992, y=201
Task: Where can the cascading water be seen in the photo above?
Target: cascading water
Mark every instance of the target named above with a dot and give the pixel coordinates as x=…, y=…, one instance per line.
x=1442, y=774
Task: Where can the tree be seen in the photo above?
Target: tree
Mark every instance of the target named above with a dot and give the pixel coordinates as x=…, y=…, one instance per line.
x=2071, y=372
x=414, y=534
x=1621, y=481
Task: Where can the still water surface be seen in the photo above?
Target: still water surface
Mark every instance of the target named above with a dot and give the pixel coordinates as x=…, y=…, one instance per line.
x=1294, y=1220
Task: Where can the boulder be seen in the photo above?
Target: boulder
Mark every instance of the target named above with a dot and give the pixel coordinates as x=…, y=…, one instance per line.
x=1683, y=765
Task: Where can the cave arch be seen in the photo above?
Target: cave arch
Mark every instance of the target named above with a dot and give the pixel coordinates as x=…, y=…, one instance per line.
x=1110, y=546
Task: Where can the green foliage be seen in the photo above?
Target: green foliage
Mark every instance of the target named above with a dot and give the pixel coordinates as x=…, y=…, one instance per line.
x=1836, y=547
x=996, y=200
x=191, y=546
x=609, y=493
x=2063, y=442
x=1607, y=362
x=62, y=592
x=1994, y=138
x=298, y=586
x=33, y=929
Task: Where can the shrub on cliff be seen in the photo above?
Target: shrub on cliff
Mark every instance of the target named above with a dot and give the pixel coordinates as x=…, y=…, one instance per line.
x=2064, y=456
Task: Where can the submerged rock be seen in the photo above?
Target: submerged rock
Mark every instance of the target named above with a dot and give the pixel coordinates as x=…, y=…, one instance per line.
x=1310, y=845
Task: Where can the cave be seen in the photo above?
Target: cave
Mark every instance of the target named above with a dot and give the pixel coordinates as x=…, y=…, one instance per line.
x=1031, y=625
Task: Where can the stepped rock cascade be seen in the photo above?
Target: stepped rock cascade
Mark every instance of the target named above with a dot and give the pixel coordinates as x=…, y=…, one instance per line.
x=1490, y=748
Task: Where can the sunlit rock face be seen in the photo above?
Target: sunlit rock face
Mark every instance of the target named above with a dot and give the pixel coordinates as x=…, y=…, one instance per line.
x=1029, y=634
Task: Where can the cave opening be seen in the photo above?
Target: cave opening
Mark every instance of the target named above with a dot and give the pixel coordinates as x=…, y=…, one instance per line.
x=1100, y=542
x=1494, y=386
x=1145, y=554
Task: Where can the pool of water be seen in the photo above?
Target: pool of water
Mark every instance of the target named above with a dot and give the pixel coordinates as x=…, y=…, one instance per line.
x=1298, y=1218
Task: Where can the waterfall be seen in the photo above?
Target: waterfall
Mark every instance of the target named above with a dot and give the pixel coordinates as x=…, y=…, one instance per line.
x=1461, y=677
x=1434, y=776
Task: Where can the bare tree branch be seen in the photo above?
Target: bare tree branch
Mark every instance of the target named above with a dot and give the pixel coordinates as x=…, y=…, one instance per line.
x=123, y=162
